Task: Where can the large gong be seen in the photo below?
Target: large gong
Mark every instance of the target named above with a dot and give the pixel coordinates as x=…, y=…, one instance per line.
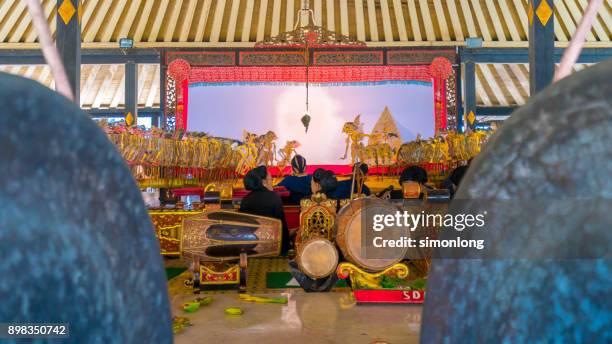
x=546, y=274
x=351, y=225
x=77, y=244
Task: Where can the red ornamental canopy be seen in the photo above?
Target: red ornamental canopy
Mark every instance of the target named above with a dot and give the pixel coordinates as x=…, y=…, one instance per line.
x=179, y=70
x=440, y=68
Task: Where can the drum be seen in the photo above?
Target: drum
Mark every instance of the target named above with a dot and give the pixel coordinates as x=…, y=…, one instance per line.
x=317, y=257
x=348, y=234
x=222, y=235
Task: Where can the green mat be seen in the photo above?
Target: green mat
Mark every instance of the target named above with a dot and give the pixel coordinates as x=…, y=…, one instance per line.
x=282, y=280
x=173, y=272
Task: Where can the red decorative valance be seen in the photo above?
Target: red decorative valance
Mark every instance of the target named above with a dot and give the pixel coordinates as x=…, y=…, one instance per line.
x=435, y=74
x=317, y=74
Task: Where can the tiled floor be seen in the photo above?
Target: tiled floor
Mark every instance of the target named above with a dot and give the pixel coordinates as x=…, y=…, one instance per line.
x=307, y=317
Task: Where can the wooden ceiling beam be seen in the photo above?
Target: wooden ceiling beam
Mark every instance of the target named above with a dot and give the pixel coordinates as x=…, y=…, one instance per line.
x=187, y=20
x=175, y=11
x=248, y=19
x=119, y=94
x=290, y=12
x=454, y=17
x=492, y=81
x=142, y=75
x=522, y=78
x=414, y=21
x=276, y=13
x=522, y=14
x=344, y=22
x=88, y=9
x=482, y=21
x=499, y=30
x=469, y=19
x=45, y=71
x=217, y=21
x=5, y=7
x=12, y=19
x=372, y=21
x=559, y=33
x=128, y=21
x=565, y=18
x=577, y=14
x=22, y=25
x=331, y=16
x=481, y=92
x=154, y=89
x=233, y=21
x=92, y=29
x=399, y=18
x=159, y=18
x=143, y=20
x=507, y=79
x=261, y=22
x=441, y=20
x=429, y=29
x=599, y=30
x=202, y=21
x=108, y=79
x=318, y=12
x=384, y=7
x=110, y=24
x=32, y=35
x=29, y=72
x=510, y=23
x=86, y=85
x=359, y=18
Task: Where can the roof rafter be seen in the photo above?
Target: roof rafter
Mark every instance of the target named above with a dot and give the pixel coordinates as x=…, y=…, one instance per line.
x=429, y=30
x=384, y=5
x=399, y=18
x=217, y=20
x=186, y=22
x=441, y=20
x=175, y=11
x=231, y=27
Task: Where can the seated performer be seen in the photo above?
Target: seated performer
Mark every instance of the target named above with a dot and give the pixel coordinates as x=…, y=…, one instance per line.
x=298, y=183
x=343, y=191
x=453, y=180
x=415, y=174
x=262, y=201
x=323, y=181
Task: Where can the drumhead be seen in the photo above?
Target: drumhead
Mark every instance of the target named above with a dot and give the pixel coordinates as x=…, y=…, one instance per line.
x=318, y=258
x=349, y=235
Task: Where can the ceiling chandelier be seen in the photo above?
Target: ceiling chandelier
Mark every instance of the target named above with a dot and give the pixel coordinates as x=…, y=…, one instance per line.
x=307, y=34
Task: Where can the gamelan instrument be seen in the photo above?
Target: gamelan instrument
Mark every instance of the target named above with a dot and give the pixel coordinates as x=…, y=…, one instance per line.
x=316, y=254
x=317, y=257
x=349, y=230
x=222, y=235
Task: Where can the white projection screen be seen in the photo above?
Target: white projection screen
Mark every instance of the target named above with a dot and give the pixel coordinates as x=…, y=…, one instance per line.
x=227, y=110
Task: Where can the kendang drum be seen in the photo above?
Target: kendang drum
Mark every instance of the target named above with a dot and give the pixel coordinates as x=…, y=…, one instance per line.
x=222, y=235
x=317, y=257
x=349, y=234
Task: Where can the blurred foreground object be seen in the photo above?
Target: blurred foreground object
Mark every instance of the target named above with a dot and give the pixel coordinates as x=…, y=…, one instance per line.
x=77, y=243
x=555, y=149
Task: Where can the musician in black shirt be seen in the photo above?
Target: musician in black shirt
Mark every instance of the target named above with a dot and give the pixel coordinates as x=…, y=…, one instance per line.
x=262, y=201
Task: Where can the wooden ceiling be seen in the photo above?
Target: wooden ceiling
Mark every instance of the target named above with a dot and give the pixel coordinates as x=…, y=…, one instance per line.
x=102, y=86
x=207, y=23
x=505, y=84
x=241, y=23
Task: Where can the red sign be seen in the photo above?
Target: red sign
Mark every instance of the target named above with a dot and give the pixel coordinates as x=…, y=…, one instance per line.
x=390, y=296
